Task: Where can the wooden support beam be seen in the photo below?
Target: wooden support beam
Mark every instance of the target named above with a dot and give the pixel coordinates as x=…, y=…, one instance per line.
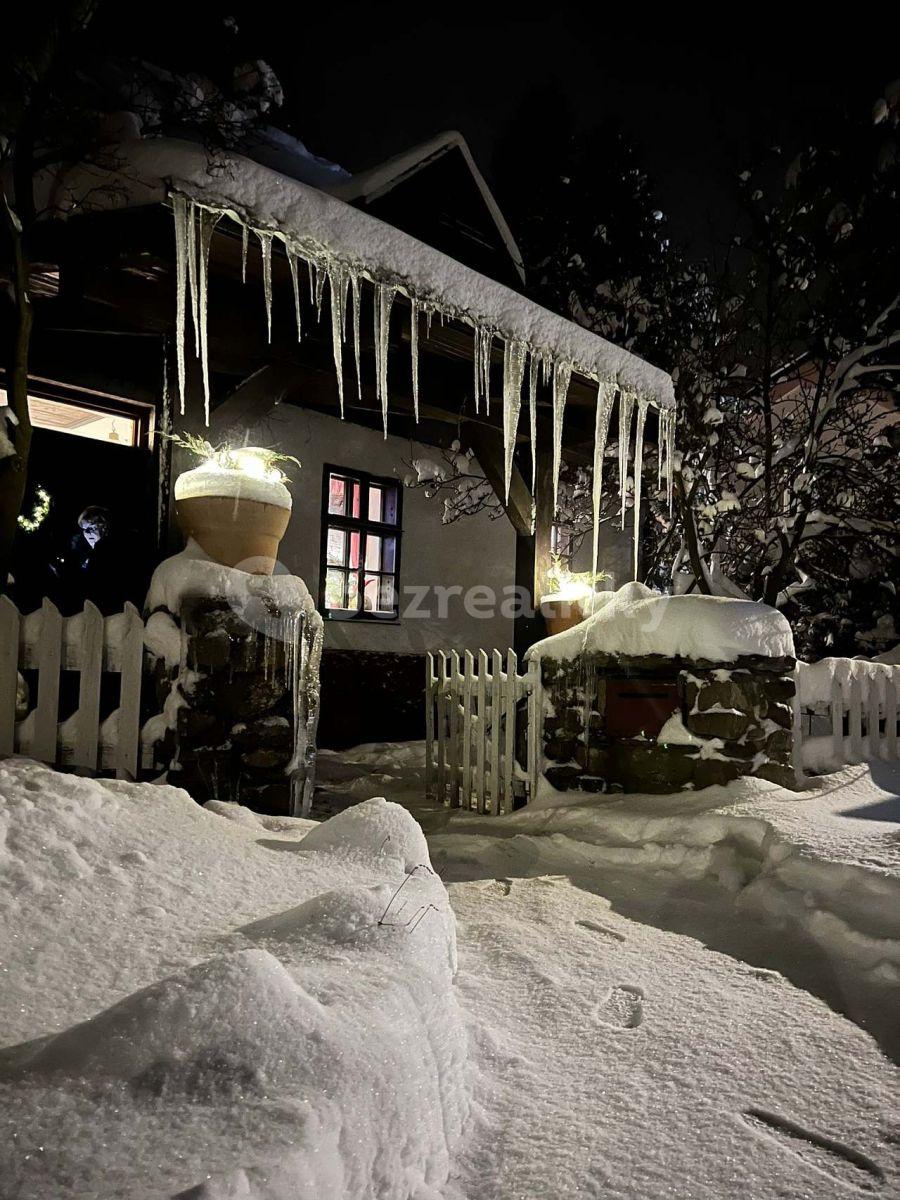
x=488, y=446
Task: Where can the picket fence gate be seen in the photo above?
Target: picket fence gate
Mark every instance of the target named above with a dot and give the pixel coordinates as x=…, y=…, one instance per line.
x=849, y=707
x=47, y=643
x=473, y=705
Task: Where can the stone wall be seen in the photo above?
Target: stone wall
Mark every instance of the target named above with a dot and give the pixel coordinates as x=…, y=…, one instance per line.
x=734, y=718
x=231, y=711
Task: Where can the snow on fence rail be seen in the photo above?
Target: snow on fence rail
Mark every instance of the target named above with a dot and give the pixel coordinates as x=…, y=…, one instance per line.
x=847, y=711
x=49, y=644
x=472, y=708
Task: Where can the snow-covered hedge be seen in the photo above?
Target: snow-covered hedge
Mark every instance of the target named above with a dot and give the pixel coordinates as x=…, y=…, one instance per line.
x=222, y=1007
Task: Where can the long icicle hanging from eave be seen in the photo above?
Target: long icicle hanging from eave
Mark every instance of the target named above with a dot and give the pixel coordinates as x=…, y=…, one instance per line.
x=195, y=223
x=562, y=374
x=514, y=353
x=606, y=394
x=638, y=478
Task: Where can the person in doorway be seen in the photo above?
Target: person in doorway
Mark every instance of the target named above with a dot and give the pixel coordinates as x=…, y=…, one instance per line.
x=96, y=565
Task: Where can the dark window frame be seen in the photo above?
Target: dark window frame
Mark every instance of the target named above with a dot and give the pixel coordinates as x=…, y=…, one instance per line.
x=363, y=526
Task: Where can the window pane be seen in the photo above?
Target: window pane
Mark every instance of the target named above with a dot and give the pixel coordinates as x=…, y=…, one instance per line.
x=353, y=592
x=337, y=497
x=388, y=554
x=370, y=598
x=335, y=585
x=386, y=594
x=375, y=502
x=354, y=550
x=389, y=505
x=356, y=500
x=337, y=546
x=373, y=552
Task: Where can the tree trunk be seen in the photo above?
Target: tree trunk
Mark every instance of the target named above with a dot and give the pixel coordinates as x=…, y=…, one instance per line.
x=14, y=467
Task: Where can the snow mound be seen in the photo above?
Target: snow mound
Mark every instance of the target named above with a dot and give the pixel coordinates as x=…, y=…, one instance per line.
x=376, y=827
x=191, y=1011
x=635, y=620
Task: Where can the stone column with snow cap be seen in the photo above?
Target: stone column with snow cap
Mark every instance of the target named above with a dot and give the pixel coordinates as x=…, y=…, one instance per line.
x=237, y=667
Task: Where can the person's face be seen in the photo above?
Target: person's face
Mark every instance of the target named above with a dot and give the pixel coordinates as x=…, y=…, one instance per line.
x=94, y=530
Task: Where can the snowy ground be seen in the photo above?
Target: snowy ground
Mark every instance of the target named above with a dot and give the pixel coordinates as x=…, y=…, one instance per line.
x=639, y=1010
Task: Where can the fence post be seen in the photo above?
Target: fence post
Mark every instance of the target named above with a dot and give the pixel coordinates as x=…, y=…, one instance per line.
x=468, y=684
x=454, y=729
x=535, y=731
x=441, y=718
x=857, y=754
x=509, y=749
x=429, y=725
x=46, y=716
x=496, y=715
x=481, y=728
x=90, y=666
x=129, y=731
x=9, y=673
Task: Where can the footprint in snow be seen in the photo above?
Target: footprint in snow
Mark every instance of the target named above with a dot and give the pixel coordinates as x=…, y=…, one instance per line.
x=833, y=1158
x=603, y=930
x=622, y=1008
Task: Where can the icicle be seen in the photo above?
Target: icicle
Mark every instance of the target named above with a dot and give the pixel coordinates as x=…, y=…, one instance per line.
x=311, y=271
x=484, y=357
x=670, y=456
x=295, y=282
x=321, y=272
x=626, y=407
x=532, y=417
x=638, y=477
x=660, y=450
x=476, y=367
x=354, y=289
x=429, y=313
x=193, y=281
x=414, y=352
x=513, y=370
x=337, y=286
x=265, y=243
x=245, y=239
x=562, y=374
x=605, y=397
x=208, y=222
x=180, y=211
x=384, y=299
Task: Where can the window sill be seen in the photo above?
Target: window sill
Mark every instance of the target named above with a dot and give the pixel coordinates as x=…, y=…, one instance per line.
x=359, y=619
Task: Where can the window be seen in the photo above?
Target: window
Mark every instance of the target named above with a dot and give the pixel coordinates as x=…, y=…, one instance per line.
x=118, y=422
x=360, y=546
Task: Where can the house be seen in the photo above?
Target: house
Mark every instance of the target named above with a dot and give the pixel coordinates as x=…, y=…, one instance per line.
x=399, y=279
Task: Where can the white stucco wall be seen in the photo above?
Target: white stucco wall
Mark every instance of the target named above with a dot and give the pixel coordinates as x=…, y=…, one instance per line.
x=475, y=551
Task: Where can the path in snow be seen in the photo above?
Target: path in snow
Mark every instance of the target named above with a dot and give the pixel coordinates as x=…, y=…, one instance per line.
x=619, y=1060
x=620, y=1057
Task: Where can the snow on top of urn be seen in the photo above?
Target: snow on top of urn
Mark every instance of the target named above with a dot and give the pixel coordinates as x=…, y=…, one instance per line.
x=213, y=479
x=636, y=621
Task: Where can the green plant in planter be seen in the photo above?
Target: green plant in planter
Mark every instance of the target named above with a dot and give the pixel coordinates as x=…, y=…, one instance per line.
x=252, y=460
x=561, y=580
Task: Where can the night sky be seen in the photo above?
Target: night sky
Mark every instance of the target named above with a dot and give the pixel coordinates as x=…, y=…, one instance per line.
x=365, y=80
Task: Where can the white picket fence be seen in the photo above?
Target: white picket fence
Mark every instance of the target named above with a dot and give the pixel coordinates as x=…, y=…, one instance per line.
x=847, y=712
x=471, y=707
x=90, y=644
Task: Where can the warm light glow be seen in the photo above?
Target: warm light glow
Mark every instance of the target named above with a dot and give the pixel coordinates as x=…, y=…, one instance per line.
x=254, y=462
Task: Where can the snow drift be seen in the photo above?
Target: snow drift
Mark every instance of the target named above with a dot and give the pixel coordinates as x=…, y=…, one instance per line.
x=266, y=1016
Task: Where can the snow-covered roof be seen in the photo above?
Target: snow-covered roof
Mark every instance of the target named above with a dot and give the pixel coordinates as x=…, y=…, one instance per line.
x=637, y=621
x=381, y=179
x=323, y=228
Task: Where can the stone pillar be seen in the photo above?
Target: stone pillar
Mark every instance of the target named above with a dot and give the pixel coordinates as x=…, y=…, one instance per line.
x=241, y=705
